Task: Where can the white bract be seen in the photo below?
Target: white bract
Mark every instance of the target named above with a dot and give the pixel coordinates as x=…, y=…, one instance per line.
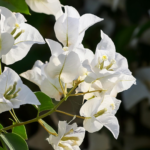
x=101, y=87
x=107, y=65
x=46, y=6
x=22, y=35
x=70, y=27
x=49, y=86
x=56, y=49
x=13, y=92
x=101, y=112
x=69, y=137
x=6, y=39
x=66, y=66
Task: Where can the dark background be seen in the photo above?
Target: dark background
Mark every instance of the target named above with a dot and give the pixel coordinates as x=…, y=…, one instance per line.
x=128, y=24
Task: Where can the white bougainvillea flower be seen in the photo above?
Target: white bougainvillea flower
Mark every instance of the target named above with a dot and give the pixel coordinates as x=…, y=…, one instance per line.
x=66, y=66
x=69, y=137
x=106, y=57
x=110, y=66
x=100, y=112
x=13, y=92
x=70, y=27
x=49, y=86
x=24, y=36
x=46, y=6
x=6, y=39
x=85, y=56
x=112, y=83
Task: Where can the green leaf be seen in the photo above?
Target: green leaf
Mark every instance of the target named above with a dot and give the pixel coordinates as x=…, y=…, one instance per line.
x=16, y=6
x=1, y=148
x=14, y=141
x=46, y=101
x=20, y=130
x=1, y=126
x=47, y=127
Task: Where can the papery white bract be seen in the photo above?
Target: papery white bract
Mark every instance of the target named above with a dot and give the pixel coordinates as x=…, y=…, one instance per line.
x=49, y=86
x=22, y=35
x=100, y=112
x=6, y=39
x=46, y=6
x=111, y=66
x=70, y=27
x=102, y=87
x=67, y=66
x=69, y=137
x=9, y=20
x=13, y=92
x=57, y=49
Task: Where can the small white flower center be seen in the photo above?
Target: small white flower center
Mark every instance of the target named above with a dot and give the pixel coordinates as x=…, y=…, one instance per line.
x=104, y=57
x=65, y=48
x=17, y=26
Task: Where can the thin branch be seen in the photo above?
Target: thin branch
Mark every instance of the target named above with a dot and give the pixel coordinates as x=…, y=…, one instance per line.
x=85, y=93
x=62, y=112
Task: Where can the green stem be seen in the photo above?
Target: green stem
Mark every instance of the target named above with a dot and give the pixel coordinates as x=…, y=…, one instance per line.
x=62, y=112
x=85, y=93
x=78, y=82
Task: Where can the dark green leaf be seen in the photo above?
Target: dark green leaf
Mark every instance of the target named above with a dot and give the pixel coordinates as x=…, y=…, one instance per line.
x=127, y=33
x=16, y=5
x=1, y=148
x=14, y=141
x=20, y=130
x=1, y=127
x=47, y=127
x=46, y=101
